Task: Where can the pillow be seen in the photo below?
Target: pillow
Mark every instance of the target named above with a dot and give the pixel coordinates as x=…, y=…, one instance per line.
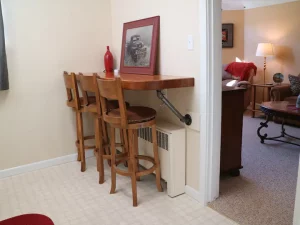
x=295, y=84
x=225, y=74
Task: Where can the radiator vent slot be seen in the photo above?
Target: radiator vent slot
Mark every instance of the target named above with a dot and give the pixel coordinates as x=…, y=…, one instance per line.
x=162, y=138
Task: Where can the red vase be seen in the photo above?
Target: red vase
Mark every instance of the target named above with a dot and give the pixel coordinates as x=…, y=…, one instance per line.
x=108, y=61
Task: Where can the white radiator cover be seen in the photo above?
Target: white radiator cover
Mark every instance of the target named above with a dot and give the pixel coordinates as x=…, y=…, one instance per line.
x=171, y=141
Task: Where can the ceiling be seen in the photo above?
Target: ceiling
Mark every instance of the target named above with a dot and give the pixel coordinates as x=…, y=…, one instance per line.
x=249, y=4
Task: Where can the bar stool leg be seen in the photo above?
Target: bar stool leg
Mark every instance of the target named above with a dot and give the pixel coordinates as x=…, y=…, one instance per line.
x=156, y=158
x=124, y=142
x=128, y=138
x=105, y=140
x=136, y=151
x=77, y=133
x=97, y=139
x=132, y=166
x=81, y=140
x=99, y=146
x=113, y=160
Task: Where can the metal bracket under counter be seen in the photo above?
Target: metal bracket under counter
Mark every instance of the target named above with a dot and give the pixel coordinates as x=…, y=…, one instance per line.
x=187, y=119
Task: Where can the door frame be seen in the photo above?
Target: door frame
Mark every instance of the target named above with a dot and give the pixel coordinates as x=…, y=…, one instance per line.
x=210, y=16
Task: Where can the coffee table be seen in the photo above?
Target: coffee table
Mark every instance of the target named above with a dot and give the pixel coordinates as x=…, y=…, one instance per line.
x=283, y=109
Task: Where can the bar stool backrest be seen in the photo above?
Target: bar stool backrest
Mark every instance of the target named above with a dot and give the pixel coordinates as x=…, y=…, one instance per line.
x=72, y=90
x=112, y=89
x=88, y=84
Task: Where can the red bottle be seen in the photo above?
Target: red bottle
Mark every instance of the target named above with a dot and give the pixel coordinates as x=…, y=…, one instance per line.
x=108, y=61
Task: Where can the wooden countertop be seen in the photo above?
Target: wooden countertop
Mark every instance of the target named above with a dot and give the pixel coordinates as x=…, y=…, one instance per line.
x=147, y=82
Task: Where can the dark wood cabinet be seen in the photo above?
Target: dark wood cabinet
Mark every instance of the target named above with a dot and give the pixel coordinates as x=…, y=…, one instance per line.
x=232, y=130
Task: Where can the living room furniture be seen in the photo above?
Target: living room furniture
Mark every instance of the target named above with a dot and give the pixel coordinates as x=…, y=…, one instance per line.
x=128, y=119
x=228, y=80
x=89, y=85
x=75, y=102
x=284, y=110
x=265, y=50
x=232, y=130
x=283, y=93
x=28, y=219
x=253, y=96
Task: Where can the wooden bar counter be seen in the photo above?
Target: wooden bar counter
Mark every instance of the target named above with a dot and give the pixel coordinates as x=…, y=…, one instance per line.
x=149, y=82
x=154, y=82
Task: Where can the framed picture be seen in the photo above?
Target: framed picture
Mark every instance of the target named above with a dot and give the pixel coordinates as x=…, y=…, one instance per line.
x=139, y=46
x=227, y=35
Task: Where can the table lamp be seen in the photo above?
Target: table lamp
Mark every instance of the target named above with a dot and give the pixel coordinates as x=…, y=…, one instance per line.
x=265, y=50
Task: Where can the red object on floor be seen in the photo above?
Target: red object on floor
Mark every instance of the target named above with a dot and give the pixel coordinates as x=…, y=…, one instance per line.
x=28, y=219
x=240, y=69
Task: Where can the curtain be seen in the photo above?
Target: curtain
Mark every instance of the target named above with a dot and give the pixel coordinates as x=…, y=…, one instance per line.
x=4, y=84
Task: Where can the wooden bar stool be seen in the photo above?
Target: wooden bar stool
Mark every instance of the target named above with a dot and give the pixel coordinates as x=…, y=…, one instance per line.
x=76, y=102
x=88, y=84
x=130, y=119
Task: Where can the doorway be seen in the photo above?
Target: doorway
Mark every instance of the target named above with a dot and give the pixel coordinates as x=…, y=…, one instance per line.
x=210, y=130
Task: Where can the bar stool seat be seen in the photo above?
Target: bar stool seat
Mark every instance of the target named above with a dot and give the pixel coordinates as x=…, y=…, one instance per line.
x=72, y=103
x=92, y=105
x=135, y=114
x=91, y=100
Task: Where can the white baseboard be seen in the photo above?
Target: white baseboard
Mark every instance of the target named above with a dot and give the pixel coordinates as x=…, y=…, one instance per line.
x=42, y=164
x=194, y=194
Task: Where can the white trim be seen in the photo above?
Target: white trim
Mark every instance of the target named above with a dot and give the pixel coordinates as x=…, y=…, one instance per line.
x=210, y=102
x=192, y=193
x=296, y=220
x=42, y=164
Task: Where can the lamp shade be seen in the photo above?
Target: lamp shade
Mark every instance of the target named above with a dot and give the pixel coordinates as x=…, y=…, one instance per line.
x=264, y=49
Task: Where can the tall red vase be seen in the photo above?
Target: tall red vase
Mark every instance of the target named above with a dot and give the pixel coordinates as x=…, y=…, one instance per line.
x=108, y=61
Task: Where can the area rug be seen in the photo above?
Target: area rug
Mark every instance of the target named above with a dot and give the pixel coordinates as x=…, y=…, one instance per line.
x=264, y=193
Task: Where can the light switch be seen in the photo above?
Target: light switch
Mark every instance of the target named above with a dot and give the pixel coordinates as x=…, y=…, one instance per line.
x=190, y=42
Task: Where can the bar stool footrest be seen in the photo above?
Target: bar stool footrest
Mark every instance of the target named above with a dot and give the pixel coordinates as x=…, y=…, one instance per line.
x=140, y=173
x=86, y=147
x=118, y=156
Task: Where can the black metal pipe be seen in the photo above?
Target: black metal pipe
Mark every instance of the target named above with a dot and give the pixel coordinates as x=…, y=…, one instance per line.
x=187, y=119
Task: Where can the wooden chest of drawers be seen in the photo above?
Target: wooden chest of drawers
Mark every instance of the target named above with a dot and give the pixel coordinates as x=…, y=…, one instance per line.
x=232, y=130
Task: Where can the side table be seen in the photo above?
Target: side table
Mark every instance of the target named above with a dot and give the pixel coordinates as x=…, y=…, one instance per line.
x=253, y=96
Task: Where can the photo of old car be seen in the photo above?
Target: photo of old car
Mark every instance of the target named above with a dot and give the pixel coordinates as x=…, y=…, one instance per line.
x=136, y=48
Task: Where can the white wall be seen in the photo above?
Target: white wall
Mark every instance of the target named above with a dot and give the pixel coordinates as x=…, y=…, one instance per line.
x=44, y=38
x=277, y=24
x=237, y=18
x=178, y=19
x=47, y=37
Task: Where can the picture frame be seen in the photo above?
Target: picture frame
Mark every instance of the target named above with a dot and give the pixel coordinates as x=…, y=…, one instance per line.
x=227, y=35
x=139, y=46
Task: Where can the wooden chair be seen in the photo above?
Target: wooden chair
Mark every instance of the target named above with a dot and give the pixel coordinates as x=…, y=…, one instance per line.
x=76, y=102
x=89, y=85
x=129, y=119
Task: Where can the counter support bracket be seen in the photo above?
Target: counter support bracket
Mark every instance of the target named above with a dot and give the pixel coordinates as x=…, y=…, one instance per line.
x=187, y=119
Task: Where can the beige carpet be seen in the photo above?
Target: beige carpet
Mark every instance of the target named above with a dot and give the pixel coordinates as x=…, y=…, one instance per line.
x=264, y=194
